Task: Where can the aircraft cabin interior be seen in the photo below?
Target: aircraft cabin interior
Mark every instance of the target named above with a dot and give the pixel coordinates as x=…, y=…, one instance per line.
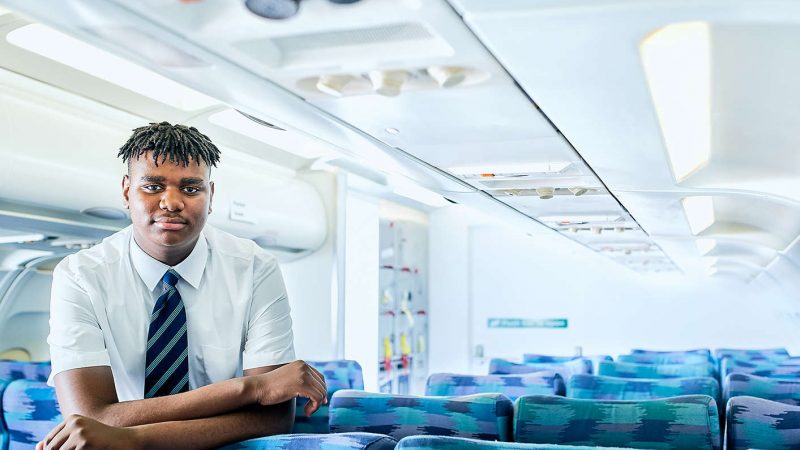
x=501, y=224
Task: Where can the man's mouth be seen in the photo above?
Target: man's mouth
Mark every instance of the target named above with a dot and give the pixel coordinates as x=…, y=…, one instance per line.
x=170, y=224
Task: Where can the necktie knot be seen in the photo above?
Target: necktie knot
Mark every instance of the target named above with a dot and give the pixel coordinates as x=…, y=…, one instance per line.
x=170, y=278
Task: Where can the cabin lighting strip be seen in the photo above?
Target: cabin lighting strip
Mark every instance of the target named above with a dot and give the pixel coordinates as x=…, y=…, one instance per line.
x=677, y=65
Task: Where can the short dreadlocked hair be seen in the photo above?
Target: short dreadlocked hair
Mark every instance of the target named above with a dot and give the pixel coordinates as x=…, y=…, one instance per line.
x=178, y=143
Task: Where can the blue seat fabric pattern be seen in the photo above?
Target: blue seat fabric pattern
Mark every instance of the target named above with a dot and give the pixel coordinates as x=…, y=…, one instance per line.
x=23, y=370
x=341, y=441
x=454, y=443
x=30, y=410
x=615, y=388
x=689, y=421
x=512, y=386
x=480, y=416
x=566, y=369
x=758, y=423
x=632, y=370
x=775, y=389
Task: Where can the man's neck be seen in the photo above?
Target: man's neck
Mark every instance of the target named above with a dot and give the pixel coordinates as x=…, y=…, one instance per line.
x=171, y=256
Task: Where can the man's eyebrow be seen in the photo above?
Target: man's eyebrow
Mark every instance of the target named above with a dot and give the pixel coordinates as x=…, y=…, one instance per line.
x=192, y=180
x=153, y=179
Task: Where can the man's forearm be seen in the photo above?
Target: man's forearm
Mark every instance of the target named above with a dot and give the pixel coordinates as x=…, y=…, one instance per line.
x=207, y=401
x=211, y=432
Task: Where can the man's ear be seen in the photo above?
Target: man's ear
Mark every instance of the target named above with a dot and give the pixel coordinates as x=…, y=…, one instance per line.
x=126, y=187
x=211, y=198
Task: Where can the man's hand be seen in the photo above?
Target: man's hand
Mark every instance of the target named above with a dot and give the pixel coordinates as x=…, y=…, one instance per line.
x=296, y=379
x=79, y=432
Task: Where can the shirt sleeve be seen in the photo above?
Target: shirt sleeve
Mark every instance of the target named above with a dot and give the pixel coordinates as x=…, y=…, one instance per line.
x=75, y=339
x=269, y=339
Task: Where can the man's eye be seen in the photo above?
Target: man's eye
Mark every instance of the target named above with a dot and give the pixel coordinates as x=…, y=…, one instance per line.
x=151, y=187
x=191, y=189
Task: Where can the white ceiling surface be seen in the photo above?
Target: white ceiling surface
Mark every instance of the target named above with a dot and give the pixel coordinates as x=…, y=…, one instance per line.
x=577, y=59
x=580, y=61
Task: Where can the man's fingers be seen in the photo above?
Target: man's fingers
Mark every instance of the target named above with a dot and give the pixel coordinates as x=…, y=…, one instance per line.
x=52, y=433
x=58, y=441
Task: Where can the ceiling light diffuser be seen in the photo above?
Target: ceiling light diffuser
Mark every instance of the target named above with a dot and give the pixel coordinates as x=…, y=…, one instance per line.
x=287, y=140
x=500, y=169
x=79, y=55
x=699, y=212
x=677, y=65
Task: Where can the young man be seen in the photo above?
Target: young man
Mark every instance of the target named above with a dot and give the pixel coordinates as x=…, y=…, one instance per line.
x=151, y=329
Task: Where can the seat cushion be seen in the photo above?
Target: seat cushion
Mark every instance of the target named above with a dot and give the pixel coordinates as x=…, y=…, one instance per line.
x=615, y=388
x=481, y=416
x=759, y=368
x=775, y=389
x=752, y=354
x=30, y=410
x=758, y=423
x=690, y=358
x=454, y=443
x=632, y=370
x=677, y=422
x=512, y=386
x=342, y=441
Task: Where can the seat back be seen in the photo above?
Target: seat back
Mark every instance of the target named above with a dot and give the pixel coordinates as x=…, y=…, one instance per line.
x=24, y=370
x=638, y=358
x=614, y=388
x=696, y=351
x=752, y=354
x=633, y=370
x=30, y=411
x=454, y=443
x=339, y=374
x=689, y=421
x=342, y=441
x=775, y=389
x=761, y=369
x=566, y=369
x=758, y=423
x=532, y=358
x=480, y=416
x=512, y=386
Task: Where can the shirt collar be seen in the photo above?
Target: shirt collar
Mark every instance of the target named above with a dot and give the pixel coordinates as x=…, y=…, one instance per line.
x=151, y=270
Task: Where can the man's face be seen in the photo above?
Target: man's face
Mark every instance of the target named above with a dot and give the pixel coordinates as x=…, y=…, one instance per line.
x=169, y=204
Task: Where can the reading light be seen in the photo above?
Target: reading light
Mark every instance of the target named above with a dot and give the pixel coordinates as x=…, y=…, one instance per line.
x=705, y=245
x=578, y=191
x=388, y=83
x=545, y=193
x=273, y=9
x=619, y=229
x=447, y=76
x=699, y=212
x=333, y=84
x=677, y=65
x=597, y=230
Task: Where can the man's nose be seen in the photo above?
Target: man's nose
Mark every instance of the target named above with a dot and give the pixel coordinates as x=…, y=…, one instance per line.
x=171, y=200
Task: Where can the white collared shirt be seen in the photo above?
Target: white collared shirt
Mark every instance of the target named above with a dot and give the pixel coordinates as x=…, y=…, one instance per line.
x=237, y=312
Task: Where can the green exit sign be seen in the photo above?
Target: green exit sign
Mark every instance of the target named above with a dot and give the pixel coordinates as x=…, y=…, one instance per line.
x=527, y=323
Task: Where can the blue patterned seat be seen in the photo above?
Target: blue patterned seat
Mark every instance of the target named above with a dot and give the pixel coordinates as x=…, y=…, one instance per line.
x=454, y=443
x=689, y=421
x=340, y=374
x=512, y=386
x=752, y=354
x=639, y=358
x=696, y=351
x=775, y=389
x=632, y=370
x=481, y=416
x=614, y=388
x=566, y=369
x=23, y=370
x=758, y=368
x=532, y=358
x=30, y=411
x=342, y=441
x=758, y=423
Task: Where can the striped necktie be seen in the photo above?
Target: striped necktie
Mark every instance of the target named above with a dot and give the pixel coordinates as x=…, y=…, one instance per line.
x=167, y=367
